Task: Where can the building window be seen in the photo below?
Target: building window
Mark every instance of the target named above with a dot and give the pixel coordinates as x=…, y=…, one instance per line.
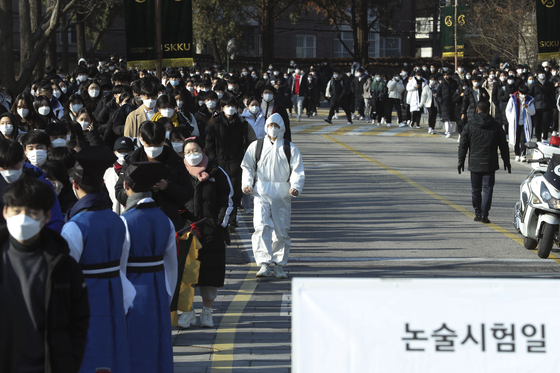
x=378, y=46
x=305, y=46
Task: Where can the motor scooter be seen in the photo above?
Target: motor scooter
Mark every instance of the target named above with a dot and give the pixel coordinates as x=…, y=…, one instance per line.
x=537, y=213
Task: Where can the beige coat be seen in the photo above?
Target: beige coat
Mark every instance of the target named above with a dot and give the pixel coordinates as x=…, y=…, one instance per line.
x=133, y=122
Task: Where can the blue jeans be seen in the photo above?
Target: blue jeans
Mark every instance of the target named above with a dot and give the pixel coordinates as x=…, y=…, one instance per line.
x=482, y=184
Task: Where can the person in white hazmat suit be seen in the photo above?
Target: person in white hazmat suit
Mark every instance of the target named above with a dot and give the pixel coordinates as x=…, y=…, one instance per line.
x=273, y=181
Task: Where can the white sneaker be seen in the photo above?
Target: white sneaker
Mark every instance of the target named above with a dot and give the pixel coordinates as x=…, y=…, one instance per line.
x=279, y=272
x=430, y=130
x=378, y=124
x=335, y=116
x=349, y=124
x=383, y=121
x=314, y=113
x=264, y=271
x=402, y=125
x=459, y=138
x=417, y=126
x=448, y=135
x=206, y=318
x=409, y=122
x=388, y=124
x=517, y=158
x=523, y=159
x=187, y=319
x=361, y=118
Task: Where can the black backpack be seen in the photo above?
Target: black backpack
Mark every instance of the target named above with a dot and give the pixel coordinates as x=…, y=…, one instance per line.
x=258, y=152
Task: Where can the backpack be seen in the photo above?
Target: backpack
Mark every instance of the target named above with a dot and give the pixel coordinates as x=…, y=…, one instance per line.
x=258, y=152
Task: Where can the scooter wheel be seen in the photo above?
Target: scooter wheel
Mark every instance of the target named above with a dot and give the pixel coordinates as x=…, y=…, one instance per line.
x=529, y=243
x=547, y=240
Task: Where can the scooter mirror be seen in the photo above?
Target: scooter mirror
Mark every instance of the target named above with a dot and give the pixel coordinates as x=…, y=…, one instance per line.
x=531, y=145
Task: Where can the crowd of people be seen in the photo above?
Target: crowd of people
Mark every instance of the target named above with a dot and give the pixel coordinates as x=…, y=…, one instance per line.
x=115, y=158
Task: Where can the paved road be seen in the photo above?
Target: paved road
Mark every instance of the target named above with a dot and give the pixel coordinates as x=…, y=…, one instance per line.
x=378, y=202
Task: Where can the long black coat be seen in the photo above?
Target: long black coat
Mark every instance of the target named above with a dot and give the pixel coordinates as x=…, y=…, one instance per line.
x=179, y=189
x=444, y=97
x=211, y=201
x=67, y=315
x=481, y=138
x=543, y=94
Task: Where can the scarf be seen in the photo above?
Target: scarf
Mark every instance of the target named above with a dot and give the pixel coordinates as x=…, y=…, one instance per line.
x=174, y=118
x=199, y=171
x=87, y=202
x=117, y=167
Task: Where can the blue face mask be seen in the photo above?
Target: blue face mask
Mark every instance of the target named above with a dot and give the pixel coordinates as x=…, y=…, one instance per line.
x=174, y=82
x=529, y=82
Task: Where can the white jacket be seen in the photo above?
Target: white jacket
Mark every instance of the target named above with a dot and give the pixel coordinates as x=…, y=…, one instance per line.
x=413, y=97
x=257, y=123
x=427, y=97
x=395, y=88
x=516, y=118
x=273, y=170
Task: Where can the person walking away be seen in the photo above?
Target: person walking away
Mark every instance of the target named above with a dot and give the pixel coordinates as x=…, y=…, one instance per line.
x=519, y=110
x=542, y=90
x=395, y=89
x=152, y=270
x=46, y=285
x=481, y=138
x=96, y=238
x=273, y=173
x=211, y=202
x=414, y=87
x=338, y=92
x=444, y=96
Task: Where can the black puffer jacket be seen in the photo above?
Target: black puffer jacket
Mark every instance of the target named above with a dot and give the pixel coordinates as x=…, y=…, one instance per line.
x=481, y=138
x=543, y=94
x=67, y=317
x=211, y=201
x=179, y=189
x=469, y=103
x=444, y=97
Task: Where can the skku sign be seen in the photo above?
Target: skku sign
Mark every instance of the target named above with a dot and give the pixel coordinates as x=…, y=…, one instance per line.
x=425, y=325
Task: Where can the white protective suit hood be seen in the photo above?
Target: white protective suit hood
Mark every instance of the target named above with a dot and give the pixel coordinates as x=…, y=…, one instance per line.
x=276, y=118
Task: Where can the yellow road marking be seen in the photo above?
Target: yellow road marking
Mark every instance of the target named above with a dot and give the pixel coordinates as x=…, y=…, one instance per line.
x=222, y=361
x=433, y=194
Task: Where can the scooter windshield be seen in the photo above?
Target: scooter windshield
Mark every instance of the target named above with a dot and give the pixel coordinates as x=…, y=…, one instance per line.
x=552, y=174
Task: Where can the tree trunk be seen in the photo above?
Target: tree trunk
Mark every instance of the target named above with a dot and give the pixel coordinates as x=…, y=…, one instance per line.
x=7, y=44
x=267, y=34
x=26, y=45
x=36, y=16
x=81, y=36
x=216, y=51
x=362, y=33
x=64, y=49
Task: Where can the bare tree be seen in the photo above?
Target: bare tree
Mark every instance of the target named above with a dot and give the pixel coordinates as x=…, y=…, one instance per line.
x=505, y=28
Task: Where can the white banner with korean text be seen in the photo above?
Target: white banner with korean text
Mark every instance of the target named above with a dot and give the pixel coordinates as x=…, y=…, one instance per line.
x=425, y=325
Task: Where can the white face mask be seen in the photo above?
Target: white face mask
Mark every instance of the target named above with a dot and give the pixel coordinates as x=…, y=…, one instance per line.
x=273, y=132
x=432, y=82
x=81, y=78
x=503, y=78
x=298, y=71
x=553, y=72
x=120, y=158
x=58, y=143
x=11, y=175
x=475, y=84
x=64, y=90
x=194, y=158
x=6, y=129
x=335, y=76
x=230, y=87
x=521, y=96
x=76, y=107
x=167, y=113
x=253, y=109
x=230, y=110
x=32, y=93
x=492, y=76
x=220, y=95
x=23, y=227
x=37, y=157
x=22, y=112
x=468, y=76
x=167, y=133
x=84, y=124
x=542, y=76
x=210, y=104
x=149, y=103
x=180, y=104
x=57, y=94
x=510, y=81
x=152, y=151
x=190, y=89
x=44, y=110
x=177, y=146
x=268, y=97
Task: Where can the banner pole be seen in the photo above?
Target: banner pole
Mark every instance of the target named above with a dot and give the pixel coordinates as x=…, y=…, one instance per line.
x=455, y=34
x=158, y=38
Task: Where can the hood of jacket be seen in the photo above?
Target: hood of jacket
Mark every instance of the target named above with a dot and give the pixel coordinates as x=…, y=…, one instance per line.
x=277, y=118
x=483, y=121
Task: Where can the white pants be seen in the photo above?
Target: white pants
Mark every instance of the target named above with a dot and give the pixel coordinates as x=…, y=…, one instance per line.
x=297, y=101
x=271, y=220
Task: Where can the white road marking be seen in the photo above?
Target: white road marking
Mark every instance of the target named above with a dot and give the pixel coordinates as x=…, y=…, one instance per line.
x=358, y=131
x=329, y=129
x=297, y=129
x=286, y=307
x=394, y=131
